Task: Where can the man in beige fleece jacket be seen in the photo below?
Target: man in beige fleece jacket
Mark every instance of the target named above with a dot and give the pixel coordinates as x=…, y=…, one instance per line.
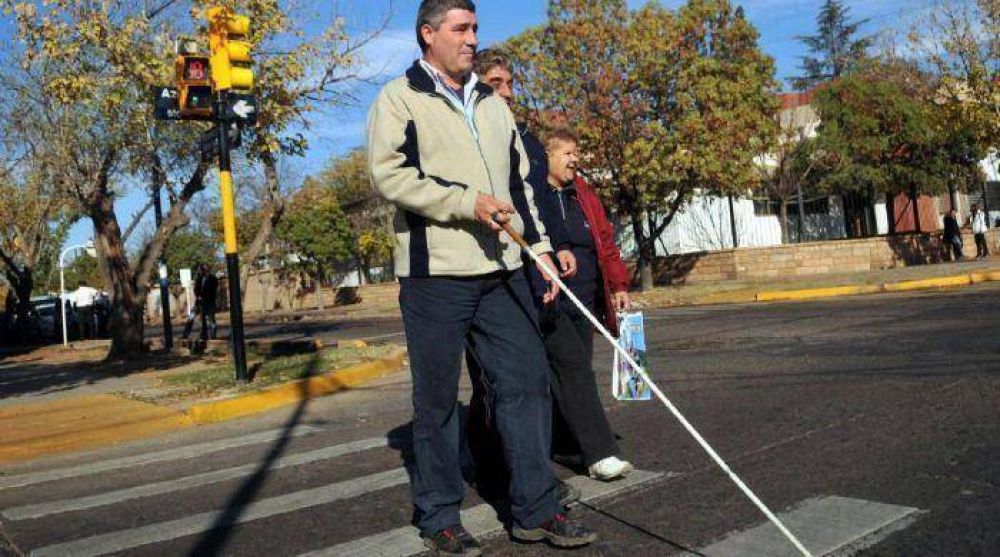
x=445, y=151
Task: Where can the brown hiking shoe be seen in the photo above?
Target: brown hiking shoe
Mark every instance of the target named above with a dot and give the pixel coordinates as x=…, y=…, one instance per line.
x=454, y=540
x=559, y=531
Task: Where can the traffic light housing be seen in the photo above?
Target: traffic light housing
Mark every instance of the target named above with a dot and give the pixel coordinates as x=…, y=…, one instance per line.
x=194, y=86
x=232, y=67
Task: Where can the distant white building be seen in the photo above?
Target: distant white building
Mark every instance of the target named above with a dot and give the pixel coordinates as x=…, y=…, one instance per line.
x=704, y=224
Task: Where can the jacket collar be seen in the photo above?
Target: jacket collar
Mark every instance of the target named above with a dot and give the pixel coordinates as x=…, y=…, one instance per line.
x=420, y=80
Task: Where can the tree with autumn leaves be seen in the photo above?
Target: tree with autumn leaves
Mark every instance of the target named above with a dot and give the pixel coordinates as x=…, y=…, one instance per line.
x=370, y=215
x=82, y=86
x=667, y=104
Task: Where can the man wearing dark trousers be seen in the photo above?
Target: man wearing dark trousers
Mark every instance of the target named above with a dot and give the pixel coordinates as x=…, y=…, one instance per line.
x=592, y=269
x=494, y=68
x=206, y=293
x=953, y=235
x=445, y=151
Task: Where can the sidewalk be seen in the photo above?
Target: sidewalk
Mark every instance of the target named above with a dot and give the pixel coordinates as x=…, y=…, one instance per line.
x=70, y=402
x=806, y=288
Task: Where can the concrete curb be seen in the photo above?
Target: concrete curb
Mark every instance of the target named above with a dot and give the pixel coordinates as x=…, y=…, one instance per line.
x=292, y=393
x=903, y=286
x=811, y=293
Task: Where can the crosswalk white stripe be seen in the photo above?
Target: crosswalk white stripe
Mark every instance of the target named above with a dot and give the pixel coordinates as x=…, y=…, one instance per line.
x=181, y=453
x=480, y=521
x=829, y=525
x=39, y=510
x=122, y=540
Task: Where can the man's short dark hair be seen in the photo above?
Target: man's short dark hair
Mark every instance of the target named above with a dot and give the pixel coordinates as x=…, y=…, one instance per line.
x=432, y=12
x=491, y=58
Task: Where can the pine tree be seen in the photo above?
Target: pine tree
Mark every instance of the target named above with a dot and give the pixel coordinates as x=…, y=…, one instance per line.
x=834, y=49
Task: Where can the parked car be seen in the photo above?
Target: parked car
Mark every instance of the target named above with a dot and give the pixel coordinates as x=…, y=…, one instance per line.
x=44, y=319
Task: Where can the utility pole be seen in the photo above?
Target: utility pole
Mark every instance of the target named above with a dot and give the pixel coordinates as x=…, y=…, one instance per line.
x=232, y=248
x=230, y=62
x=168, y=331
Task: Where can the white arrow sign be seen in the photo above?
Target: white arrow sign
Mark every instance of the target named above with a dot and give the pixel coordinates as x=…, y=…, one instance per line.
x=243, y=109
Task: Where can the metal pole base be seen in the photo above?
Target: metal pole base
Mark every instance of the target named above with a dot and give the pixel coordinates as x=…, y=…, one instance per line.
x=236, y=319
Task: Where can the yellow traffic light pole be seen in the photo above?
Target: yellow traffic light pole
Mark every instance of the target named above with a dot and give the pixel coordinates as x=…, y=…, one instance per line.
x=223, y=24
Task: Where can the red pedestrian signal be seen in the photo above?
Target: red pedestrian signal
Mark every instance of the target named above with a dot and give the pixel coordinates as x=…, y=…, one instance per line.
x=194, y=86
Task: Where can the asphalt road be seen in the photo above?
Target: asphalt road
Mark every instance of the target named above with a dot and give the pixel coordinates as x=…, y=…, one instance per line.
x=892, y=399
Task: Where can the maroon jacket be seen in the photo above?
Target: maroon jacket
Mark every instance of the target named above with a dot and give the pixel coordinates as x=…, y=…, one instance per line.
x=609, y=258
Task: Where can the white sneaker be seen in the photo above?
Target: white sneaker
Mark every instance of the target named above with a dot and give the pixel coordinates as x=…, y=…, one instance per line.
x=610, y=468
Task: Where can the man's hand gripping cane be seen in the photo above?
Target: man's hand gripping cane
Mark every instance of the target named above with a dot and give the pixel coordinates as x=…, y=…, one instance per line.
x=495, y=214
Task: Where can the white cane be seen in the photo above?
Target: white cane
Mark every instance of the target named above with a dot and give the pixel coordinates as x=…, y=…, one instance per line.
x=670, y=406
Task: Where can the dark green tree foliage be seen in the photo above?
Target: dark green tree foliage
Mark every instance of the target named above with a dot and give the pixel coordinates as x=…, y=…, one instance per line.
x=834, y=50
x=878, y=137
x=369, y=214
x=81, y=268
x=316, y=233
x=188, y=248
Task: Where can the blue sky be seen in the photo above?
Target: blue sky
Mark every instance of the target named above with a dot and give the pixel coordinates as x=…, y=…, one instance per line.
x=342, y=128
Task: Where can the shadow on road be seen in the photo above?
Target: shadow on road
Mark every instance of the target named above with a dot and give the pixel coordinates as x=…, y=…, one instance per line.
x=214, y=541
x=674, y=545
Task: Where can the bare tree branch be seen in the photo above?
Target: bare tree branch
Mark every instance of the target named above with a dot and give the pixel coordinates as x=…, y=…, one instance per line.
x=136, y=219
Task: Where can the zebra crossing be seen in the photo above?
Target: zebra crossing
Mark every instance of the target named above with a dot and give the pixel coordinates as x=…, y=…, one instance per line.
x=163, y=502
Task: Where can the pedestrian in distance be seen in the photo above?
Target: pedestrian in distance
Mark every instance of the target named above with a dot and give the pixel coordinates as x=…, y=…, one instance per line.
x=953, y=235
x=206, y=293
x=592, y=267
x=446, y=152
x=83, y=299
x=977, y=221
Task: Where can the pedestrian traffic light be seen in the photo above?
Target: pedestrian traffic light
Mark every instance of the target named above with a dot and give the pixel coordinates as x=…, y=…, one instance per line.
x=194, y=86
x=232, y=67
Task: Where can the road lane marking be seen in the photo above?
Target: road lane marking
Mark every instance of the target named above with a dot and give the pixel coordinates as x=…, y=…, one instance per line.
x=480, y=521
x=825, y=525
x=181, y=453
x=112, y=542
x=39, y=510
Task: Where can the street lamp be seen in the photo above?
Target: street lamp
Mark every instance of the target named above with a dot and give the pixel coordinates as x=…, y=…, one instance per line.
x=89, y=248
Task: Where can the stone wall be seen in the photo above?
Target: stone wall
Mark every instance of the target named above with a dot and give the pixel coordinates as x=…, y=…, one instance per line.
x=810, y=259
x=269, y=291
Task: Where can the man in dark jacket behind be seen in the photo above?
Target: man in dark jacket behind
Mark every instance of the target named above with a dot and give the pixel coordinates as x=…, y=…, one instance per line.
x=206, y=292
x=592, y=267
x=953, y=235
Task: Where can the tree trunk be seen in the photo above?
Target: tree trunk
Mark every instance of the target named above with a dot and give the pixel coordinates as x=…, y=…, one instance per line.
x=319, y=290
x=785, y=239
x=126, y=304
x=273, y=211
x=644, y=252
x=22, y=289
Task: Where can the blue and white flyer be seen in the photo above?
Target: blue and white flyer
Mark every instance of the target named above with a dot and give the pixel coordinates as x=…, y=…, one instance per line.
x=626, y=383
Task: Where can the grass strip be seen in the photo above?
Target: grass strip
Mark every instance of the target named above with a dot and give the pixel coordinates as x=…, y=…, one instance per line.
x=268, y=372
